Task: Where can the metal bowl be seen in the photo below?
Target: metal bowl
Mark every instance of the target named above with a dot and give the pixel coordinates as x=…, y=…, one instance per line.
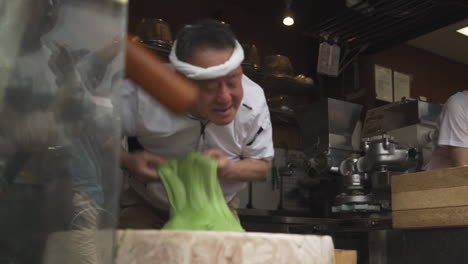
x=251, y=56
x=154, y=31
x=278, y=65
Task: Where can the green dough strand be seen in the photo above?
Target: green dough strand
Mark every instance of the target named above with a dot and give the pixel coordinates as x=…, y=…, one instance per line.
x=195, y=196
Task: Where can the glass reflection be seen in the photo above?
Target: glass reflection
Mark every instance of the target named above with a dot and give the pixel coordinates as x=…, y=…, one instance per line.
x=59, y=132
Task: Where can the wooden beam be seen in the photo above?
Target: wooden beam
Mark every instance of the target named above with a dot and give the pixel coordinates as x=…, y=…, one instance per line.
x=427, y=180
x=436, y=217
x=436, y=198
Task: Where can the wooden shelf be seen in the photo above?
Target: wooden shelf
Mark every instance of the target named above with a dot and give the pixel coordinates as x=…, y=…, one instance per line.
x=270, y=83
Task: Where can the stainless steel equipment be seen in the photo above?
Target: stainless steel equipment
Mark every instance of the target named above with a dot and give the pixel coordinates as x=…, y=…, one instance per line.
x=411, y=122
x=366, y=180
x=332, y=132
x=398, y=138
x=398, y=115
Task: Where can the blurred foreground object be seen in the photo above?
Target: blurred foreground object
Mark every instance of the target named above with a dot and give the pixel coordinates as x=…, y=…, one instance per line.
x=59, y=128
x=164, y=84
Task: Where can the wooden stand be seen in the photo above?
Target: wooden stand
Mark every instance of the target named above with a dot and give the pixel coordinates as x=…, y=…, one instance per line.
x=345, y=256
x=431, y=199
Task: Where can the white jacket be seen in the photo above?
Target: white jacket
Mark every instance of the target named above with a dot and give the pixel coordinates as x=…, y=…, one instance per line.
x=172, y=136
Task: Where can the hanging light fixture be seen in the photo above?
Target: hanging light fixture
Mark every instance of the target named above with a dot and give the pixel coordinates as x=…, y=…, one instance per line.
x=288, y=19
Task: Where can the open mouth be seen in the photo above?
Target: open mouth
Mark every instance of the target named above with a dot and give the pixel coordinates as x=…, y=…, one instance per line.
x=223, y=111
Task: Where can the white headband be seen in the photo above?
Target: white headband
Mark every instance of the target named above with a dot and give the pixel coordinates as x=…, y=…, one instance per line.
x=199, y=73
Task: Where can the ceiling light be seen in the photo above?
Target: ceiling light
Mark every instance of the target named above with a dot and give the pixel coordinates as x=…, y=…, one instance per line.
x=463, y=31
x=288, y=21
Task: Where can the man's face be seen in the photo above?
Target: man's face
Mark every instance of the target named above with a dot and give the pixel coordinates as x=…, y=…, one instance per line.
x=219, y=98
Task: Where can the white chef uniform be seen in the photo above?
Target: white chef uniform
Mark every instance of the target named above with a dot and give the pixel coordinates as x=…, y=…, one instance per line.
x=453, y=130
x=164, y=133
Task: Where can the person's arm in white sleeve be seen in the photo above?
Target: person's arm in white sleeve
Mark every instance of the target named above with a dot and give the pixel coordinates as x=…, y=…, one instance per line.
x=128, y=107
x=257, y=155
x=454, y=131
x=139, y=164
x=248, y=169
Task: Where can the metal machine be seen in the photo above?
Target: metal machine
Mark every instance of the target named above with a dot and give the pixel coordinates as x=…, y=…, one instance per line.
x=366, y=179
x=411, y=122
x=398, y=138
x=332, y=132
x=349, y=168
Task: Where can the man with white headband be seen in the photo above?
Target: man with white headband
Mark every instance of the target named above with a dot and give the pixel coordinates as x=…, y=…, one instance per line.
x=230, y=121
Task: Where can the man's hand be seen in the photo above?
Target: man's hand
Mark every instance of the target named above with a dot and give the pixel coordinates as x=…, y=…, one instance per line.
x=223, y=162
x=248, y=169
x=142, y=165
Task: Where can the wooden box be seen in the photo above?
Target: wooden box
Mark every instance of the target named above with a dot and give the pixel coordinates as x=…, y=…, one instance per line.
x=436, y=198
x=345, y=256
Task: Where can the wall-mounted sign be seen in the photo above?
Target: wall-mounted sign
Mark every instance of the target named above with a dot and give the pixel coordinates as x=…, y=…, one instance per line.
x=401, y=85
x=329, y=57
x=383, y=83
x=391, y=86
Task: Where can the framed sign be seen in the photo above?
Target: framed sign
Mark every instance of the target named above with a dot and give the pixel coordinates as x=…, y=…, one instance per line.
x=391, y=86
x=383, y=83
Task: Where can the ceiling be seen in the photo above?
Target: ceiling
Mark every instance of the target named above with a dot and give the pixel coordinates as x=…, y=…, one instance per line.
x=256, y=22
x=380, y=24
x=259, y=22
x=445, y=42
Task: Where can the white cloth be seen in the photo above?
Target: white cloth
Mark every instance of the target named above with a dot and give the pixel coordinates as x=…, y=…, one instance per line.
x=198, y=73
x=453, y=130
x=172, y=136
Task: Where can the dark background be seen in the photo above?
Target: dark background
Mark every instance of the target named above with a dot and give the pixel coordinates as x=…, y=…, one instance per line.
x=259, y=22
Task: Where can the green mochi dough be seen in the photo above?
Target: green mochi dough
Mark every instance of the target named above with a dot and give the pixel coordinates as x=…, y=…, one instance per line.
x=195, y=197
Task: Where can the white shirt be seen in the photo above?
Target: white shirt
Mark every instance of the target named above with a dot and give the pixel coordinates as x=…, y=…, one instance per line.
x=453, y=130
x=164, y=133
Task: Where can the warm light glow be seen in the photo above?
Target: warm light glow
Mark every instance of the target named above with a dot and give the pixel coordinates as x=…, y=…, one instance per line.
x=288, y=21
x=463, y=31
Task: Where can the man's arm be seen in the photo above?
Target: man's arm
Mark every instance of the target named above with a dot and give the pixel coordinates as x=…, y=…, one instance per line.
x=244, y=170
x=458, y=155
x=141, y=165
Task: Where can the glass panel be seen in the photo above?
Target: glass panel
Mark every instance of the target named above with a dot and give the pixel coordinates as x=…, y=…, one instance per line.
x=60, y=62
